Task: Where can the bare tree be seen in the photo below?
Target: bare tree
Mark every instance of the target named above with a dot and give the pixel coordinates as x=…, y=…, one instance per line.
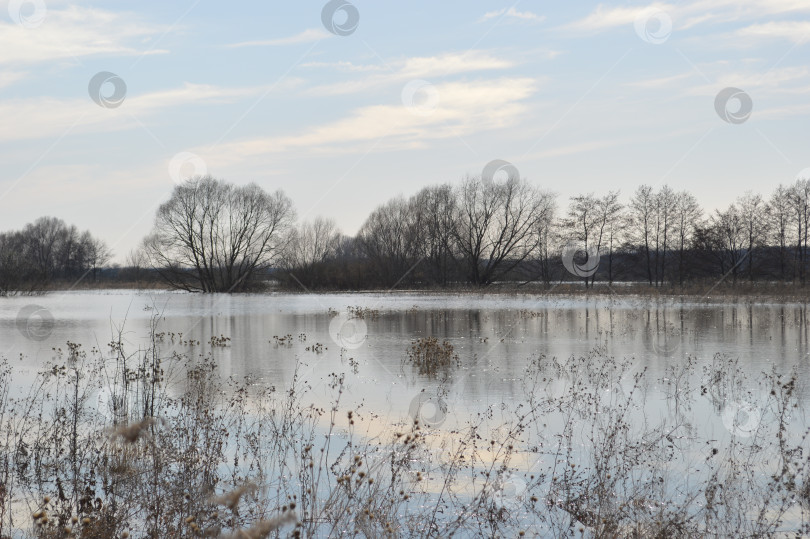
x=313, y=242
x=642, y=218
x=50, y=249
x=134, y=264
x=581, y=222
x=666, y=200
x=389, y=239
x=751, y=209
x=728, y=228
x=213, y=236
x=687, y=214
x=312, y=245
x=608, y=226
x=43, y=238
x=800, y=203
x=498, y=224
x=778, y=221
x=95, y=253
x=16, y=269
x=437, y=221
x=547, y=238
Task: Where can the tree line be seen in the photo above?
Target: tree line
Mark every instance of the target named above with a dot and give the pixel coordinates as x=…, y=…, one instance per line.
x=213, y=236
x=46, y=251
x=480, y=232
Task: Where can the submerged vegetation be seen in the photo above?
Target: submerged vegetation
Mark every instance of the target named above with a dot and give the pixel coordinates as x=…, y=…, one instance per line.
x=154, y=442
x=430, y=356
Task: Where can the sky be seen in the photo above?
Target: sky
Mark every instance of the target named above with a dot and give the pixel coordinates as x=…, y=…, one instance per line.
x=105, y=106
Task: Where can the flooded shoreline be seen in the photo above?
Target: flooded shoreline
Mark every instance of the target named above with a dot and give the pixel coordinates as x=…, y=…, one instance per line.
x=546, y=411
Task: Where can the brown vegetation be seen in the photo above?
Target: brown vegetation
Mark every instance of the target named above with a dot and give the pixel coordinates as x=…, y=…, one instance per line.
x=175, y=450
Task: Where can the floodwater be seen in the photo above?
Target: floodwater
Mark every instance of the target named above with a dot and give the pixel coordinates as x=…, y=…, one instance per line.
x=365, y=338
x=494, y=336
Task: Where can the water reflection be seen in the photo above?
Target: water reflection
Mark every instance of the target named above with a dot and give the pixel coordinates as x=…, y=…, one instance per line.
x=494, y=336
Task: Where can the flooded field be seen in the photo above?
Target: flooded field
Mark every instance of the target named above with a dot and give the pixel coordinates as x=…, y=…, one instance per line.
x=478, y=415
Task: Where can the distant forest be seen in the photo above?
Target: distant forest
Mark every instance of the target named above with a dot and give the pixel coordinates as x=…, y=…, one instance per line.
x=214, y=236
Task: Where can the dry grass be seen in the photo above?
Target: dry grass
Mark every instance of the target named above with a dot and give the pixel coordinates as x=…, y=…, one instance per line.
x=430, y=356
x=176, y=450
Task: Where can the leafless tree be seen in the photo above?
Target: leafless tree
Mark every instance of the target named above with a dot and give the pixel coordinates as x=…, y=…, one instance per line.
x=651, y=219
x=212, y=236
x=95, y=253
x=548, y=241
x=16, y=269
x=46, y=250
x=312, y=245
x=608, y=227
x=134, y=264
x=729, y=230
x=583, y=223
x=687, y=214
x=389, y=239
x=498, y=225
x=436, y=218
x=312, y=242
x=800, y=203
x=751, y=209
x=595, y=222
x=44, y=239
x=778, y=222
x=665, y=216
x=642, y=218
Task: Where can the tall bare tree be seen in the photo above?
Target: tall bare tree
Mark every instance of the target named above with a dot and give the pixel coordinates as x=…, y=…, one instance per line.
x=582, y=222
x=389, y=239
x=609, y=225
x=16, y=269
x=642, y=218
x=44, y=240
x=498, y=224
x=666, y=200
x=800, y=203
x=728, y=228
x=312, y=242
x=548, y=239
x=778, y=222
x=312, y=246
x=436, y=217
x=212, y=236
x=687, y=214
x=751, y=209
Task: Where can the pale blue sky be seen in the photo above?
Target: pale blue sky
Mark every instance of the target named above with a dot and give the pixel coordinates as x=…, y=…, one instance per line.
x=579, y=96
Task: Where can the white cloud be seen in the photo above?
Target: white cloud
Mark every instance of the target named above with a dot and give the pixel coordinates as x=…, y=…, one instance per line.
x=604, y=17
x=74, y=32
x=795, y=31
x=307, y=36
x=513, y=13
x=428, y=67
x=465, y=108
x=7, y=78
x=756, y=81
x=781, y=80
x=688, y=14
x=452, y=63
x=345, y=66
x=663, y=82
x=40, y=117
